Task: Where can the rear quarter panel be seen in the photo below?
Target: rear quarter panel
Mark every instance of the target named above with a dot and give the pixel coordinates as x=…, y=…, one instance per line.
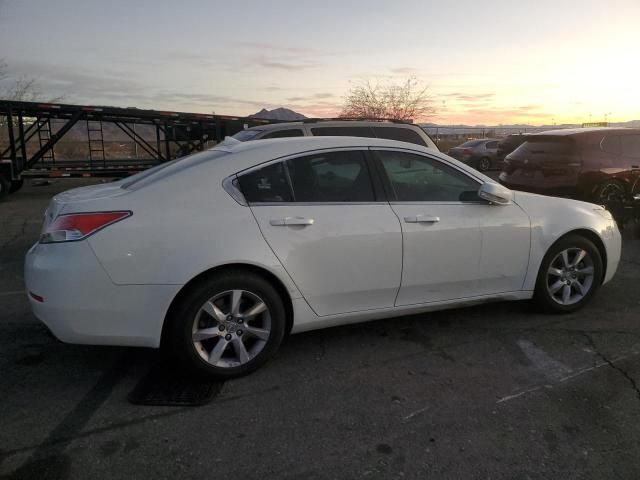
x=181, y=226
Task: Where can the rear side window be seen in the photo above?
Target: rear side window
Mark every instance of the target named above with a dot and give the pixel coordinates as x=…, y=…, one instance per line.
x=399, y=134
x=331, y=177
x=268, y=184
x=246, y=135
x=292, y=132
x=343, y=132
x=630, y=145
x=491, y=145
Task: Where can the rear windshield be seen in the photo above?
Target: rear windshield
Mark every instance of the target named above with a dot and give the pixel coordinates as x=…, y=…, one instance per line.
x=546, y=147
x=472, y=143
x=165, y=170
x=249, y=134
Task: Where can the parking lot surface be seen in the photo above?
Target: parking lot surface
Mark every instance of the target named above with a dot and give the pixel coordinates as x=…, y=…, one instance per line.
x=495, y=391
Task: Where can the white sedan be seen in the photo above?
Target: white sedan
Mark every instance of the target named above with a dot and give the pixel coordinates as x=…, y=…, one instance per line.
x=217, y=256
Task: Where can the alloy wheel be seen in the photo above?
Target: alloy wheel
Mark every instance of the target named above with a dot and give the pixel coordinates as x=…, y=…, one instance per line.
x=231, y=328
x=612, y=192
x=570, y=276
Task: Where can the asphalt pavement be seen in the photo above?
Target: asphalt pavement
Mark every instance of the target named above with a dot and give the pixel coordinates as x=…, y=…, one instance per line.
x=489, y=392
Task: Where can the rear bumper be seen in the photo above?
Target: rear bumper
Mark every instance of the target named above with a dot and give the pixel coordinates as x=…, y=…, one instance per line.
x=80, y=303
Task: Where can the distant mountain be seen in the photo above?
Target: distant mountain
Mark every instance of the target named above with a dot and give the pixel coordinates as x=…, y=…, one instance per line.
x=278, y=114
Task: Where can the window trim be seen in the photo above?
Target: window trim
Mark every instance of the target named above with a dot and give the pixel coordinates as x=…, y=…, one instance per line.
x=380, y=196
x=391, y=193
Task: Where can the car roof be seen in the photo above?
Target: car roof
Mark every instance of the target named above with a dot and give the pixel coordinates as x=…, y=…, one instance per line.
x=292, y=145
x=582, y=131
x=332, y=123
x=249, y=154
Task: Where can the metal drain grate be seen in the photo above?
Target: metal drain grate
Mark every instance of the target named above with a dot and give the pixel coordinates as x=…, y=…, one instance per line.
x=162, y=386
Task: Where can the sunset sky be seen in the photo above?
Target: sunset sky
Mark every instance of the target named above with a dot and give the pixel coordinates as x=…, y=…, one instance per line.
x=488, y=62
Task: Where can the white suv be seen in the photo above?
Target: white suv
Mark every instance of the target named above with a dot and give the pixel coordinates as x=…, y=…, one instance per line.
x=387, y=129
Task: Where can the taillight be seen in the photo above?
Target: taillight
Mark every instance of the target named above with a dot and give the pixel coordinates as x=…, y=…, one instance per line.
x=78, y=226
x=467, y=151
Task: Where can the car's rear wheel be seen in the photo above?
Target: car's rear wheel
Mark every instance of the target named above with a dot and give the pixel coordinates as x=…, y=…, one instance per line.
x=484, y=164
x=569, y=276
x=226, y=326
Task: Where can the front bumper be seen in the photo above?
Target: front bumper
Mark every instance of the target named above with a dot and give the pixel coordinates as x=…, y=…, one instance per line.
x=80, y=303
x=613, y=245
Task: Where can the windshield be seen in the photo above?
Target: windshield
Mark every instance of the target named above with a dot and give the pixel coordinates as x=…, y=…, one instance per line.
x=249, y=134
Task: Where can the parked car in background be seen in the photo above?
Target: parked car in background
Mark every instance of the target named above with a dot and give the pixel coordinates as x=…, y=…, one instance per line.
x=509, y=143
x=600, y=165
x=479, y=154
x=390, y=130
x=297, y=234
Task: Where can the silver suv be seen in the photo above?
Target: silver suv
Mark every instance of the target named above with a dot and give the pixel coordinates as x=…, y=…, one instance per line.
x=390, y=130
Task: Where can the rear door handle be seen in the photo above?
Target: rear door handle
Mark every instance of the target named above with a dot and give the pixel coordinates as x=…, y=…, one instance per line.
x=421, y=219
x=283, y=222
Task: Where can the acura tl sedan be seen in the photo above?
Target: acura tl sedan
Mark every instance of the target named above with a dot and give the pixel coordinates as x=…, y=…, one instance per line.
x=217, y=256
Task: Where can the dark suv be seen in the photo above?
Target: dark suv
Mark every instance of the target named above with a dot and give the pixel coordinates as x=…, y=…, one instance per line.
x=598, y=165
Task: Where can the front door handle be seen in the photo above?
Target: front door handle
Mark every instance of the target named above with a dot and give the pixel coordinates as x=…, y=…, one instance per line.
x=421, y=219
x=283, y=222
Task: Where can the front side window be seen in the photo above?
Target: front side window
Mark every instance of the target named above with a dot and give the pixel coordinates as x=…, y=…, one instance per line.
x=415, y=178
x=291, y=132
x=331, y=177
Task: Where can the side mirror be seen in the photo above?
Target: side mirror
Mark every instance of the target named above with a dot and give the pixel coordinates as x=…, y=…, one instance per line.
x=495, y=193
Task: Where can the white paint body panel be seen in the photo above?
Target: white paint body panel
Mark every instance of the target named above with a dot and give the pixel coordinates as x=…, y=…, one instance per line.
x=349, y=260
x=116, y=287
x=441, y=260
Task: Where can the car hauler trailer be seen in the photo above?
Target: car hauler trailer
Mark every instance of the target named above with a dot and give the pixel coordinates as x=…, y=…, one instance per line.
x=30, y=132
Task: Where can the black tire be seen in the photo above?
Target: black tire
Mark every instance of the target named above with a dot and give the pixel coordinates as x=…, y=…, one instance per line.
x=542, y=295
x=5, y=186
x=16, y=185
x=610, y=192
x=484, y=164
x=177, y=343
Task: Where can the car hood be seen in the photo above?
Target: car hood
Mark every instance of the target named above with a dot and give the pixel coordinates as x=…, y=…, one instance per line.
x=544, y=206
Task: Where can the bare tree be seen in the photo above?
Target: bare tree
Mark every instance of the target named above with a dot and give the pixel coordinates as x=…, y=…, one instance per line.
x=405, y=101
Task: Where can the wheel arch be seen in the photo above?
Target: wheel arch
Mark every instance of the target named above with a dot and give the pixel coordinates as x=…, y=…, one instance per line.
x=235, y=267
x=593, y=237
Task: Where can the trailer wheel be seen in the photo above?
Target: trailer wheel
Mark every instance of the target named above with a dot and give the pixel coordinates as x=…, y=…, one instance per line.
x=16, y=185
x=5, y=186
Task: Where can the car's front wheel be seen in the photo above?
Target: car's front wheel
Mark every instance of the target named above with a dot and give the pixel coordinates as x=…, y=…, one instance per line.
x=569, y=276
x=226, y=326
